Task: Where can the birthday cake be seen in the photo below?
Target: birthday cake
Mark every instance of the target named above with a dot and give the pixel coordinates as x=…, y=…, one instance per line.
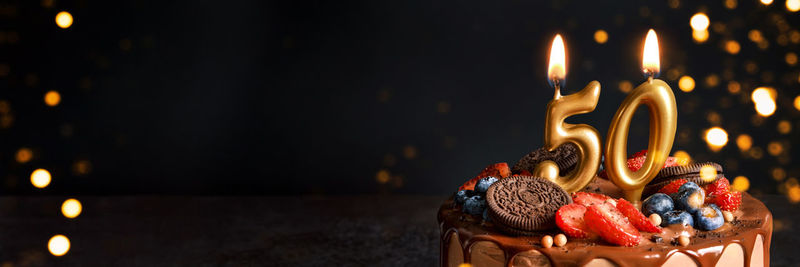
x=505, y=218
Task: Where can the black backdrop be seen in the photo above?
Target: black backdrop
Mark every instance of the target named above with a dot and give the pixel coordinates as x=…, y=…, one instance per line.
x=218, y=97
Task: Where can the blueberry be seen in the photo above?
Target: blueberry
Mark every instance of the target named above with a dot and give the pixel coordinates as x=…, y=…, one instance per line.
x=658, y=203
x=708, y=218
x=486, y=215
x=690, y=197
x=462, y=196
x=677, y=217
x=475, y=205
x=483, y=184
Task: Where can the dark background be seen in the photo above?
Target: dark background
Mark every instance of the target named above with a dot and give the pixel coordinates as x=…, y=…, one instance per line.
x=333, y=97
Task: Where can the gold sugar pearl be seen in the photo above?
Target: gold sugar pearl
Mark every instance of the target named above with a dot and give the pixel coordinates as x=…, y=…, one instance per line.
x=727, y=215
x=655, y=219
x=560, y=240
x=547, y=241
x=683, y=240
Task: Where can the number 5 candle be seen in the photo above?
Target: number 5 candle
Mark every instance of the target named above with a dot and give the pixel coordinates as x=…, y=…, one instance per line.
x=660, y=101
x=557, y=132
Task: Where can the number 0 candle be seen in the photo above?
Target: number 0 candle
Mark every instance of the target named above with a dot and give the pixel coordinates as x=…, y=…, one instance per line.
x=557, y=132
x=660, y=102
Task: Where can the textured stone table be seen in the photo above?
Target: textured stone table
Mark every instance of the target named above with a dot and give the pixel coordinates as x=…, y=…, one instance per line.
x=255, y=231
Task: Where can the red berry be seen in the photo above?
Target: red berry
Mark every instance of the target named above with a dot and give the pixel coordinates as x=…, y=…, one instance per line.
x=634, y=164
x=672, y=187
x=606, y=221
x=588, y=199
x=570, y=219
x=673, y=161
x=718, y=187
x=729, y=201
x=642, y=153
x=636, y=217
x=499, y=170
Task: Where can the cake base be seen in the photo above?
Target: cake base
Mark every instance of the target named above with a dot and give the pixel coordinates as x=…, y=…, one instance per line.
x=742, y=242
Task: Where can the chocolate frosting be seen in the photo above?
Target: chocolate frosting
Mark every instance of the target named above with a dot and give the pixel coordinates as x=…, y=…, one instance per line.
x=706, y=247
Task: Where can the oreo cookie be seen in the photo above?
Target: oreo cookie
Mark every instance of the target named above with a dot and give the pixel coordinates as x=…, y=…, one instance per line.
x=522, y=205
x=565, y=156
x=689, y=172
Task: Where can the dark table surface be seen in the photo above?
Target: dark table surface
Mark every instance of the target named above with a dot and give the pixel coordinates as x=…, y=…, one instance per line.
x=366, y=230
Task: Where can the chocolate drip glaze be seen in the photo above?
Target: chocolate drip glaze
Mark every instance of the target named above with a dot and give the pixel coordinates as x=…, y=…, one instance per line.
x=706, y=247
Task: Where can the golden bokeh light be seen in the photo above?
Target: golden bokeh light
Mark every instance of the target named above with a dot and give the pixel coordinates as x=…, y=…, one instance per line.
x=778, y=174
x=24, y=155
x=764, y=100
x=716, y=138
x=699, y=22
x=52, y=98
x=71, y=208
x=740, y=183
x=382, y=176
x=64, y=19
x=766, y=108
x=708, y=173
x=627, y=86
x=774, y=148
x=700, y=36
x=744, y=142
x=732, y=47
x=465, y=265
x=686, y=83
x=793, y=5
x=784, y=127
x=755, y=36
x=791, y=58
x=712, y=80
x=730, y=4
x=600, y=36
x=58, y=245
x=682, y=157
x=797, y=102
x=734, y=87
x=40, y=178
x=766, y=2
x=410, y=152
x=793, y=193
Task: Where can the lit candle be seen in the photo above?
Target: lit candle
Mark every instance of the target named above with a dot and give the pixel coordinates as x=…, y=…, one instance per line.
x=557, y=132
x=660, y=101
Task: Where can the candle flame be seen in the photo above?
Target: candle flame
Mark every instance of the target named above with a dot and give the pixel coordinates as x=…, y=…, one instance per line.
x=557, y=69
x=650, y=59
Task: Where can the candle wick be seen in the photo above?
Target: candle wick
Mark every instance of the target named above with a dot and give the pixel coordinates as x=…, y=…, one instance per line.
x=557, y=86
x=650, y=78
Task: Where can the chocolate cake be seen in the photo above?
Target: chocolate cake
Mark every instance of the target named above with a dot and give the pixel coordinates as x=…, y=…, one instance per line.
x=743, y=240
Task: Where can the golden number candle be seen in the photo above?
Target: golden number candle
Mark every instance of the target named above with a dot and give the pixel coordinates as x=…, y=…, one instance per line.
x=557, y=132
x=660, y=101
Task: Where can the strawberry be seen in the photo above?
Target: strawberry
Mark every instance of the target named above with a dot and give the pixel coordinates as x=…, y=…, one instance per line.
x=729, y=201
x=719, y=187
x=642, y=153
x=588, y=199
x=605, y=220
x=673, y=161
x=636, y=217
x=499, y=170
x=672, y=187
x=636, y=161
x=570, y=219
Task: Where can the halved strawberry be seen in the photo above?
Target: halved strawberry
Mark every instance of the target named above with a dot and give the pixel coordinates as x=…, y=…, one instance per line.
x=569, y=219
x=636, y=217
x=587, y=199
x=729, y=201
x=499, y=170
x=718, y=187
x=642, y=153
x=672, y=187
x=606, y=221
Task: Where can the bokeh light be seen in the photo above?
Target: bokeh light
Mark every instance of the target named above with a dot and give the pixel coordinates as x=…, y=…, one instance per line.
x=791, y=58
x=699, y=22
x=58, y=245
x=600, y=36
x=686, y=83
x=682, y=157
x=700, y=36
x=734, y=87
x=382, y=176
x=52, y=98
x=716, y=138
x=732, y=47
x=64, y=19
x=730, y=4
x=40, y=178
x=744, y=142
x=766, y=2
x=740, y=183
x=793, y=5
x=625, y=86
x=784, y=127
x=764, y=101
x=708, y=173
x=71, y=208
x=797, y=102
x=24, y=155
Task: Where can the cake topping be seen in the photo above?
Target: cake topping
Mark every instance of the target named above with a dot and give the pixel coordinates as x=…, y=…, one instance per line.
x=588, y=199
x=498, y=170
x=565, y=156
x=569, y=219
x=605, y=220
x=691, y=170
x=522, y=204
x=636, y=218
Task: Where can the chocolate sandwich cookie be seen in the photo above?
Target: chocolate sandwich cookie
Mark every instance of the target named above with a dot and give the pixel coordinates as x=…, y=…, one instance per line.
x=653, y=188
x=689, y=172
x=521, y=205
x=565, y=156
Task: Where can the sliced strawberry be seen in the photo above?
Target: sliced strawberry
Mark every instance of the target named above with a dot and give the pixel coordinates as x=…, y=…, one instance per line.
x=606, y=221
x=499, y=170
x=634, y=164
x=642, y=153
x=729, y=201
x=636, y=217
x=673, y=161
x=672, y=187
x=587, y=199
x=569, y=219
x=718, y=187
